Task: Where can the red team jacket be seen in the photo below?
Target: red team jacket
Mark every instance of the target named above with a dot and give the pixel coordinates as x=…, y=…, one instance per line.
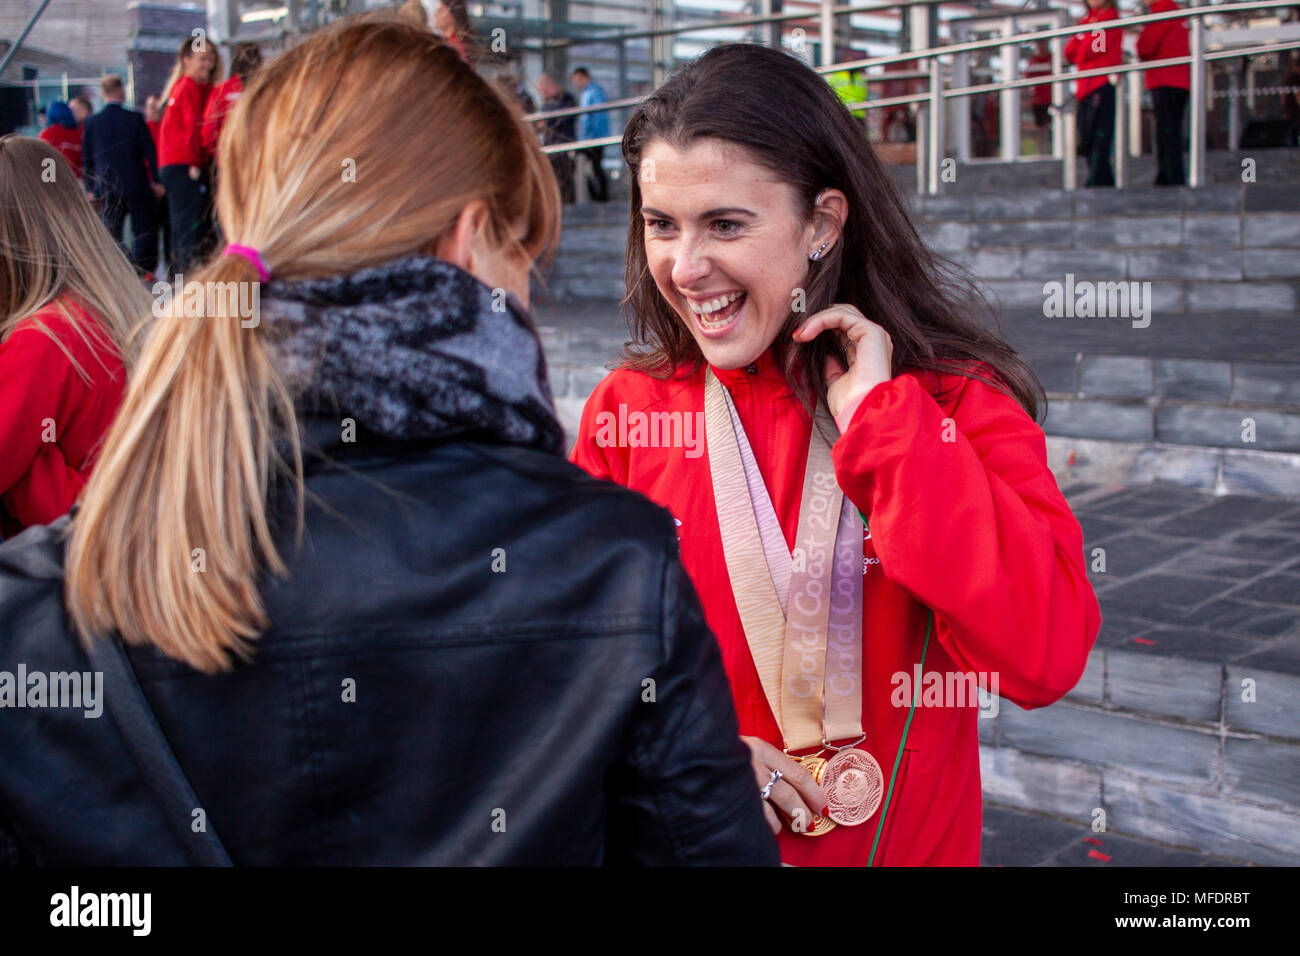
x=180, y=140
x=224, y=96
x=973, y=527
x=1079, y=50
x=40, y=390
x=66, y=141
x=1162, y=40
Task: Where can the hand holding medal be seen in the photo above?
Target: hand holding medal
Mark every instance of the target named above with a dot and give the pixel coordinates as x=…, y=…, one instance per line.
x=794, y=795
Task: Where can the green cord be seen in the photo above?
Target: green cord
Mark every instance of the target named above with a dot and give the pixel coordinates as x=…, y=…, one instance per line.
x=898, y=759
x=893, y=775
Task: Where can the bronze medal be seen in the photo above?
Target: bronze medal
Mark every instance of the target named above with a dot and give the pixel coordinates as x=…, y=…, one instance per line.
x=854, y=786
x=816, y=766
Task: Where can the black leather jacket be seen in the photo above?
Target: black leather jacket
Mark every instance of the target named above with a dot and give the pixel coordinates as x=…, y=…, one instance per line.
x=481, y=655
x=499, y=716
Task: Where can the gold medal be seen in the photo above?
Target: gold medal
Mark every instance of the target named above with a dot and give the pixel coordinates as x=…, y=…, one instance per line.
x=816, y=766
x=854, y=786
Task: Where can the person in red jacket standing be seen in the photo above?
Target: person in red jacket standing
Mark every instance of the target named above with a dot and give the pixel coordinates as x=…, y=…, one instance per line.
x=1090, y=50
x=244, y=62
x=860, y=488
x=62, y=132
x=1169, y=86
x=1040, y=64
x=68, y=300
x=181, y=159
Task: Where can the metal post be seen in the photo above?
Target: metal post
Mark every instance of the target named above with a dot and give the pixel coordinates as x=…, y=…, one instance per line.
x=1009, y=100
x=1234, y=105
x=1060, y=91
x=1196, y=111
x=1134, y=86
x=935, y=151
x=1070, y=136
x=1121, y=137
x=828, y=32
x=922, y=145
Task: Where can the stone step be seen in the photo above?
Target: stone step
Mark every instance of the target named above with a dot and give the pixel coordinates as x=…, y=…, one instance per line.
x=1185, y=727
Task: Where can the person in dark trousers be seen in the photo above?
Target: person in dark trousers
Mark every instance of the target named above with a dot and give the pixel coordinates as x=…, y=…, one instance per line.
x=180, y=152
x=121, y=172
x=1092, y=49
x=592, y=126
x=153, y=119
x=1169, y=87
x=559, y=129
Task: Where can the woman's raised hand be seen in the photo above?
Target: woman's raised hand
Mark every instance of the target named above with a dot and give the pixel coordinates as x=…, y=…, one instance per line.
x=870, y=352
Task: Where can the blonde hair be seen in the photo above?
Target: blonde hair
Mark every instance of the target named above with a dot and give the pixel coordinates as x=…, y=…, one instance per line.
x=187, y=50
x=190, y=462
x=54, y=247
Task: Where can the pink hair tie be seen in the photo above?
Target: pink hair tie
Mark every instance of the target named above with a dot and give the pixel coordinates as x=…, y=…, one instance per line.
x=252, y=255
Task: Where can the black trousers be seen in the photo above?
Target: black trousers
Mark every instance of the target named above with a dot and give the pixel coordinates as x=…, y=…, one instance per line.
x=1097, y=134
x=187, y=204
x=562, y=164
x=597, y=184
x=115, y=207
x=1170, y=103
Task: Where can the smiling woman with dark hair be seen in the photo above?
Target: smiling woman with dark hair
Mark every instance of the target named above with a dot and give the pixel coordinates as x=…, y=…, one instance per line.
x=780, y=295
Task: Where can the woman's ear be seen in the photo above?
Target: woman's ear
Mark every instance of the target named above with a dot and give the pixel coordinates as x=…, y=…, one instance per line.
x=830, y=212
x=456, y=245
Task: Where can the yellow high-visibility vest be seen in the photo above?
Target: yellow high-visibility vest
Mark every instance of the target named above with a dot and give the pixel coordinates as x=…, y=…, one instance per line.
x=849, y=88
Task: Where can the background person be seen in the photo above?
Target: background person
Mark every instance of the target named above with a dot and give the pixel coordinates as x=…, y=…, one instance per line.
x=499, y=716
x=153, y=119
x=1169, y=86
x=62, y=132
x=68, y=301
x=181, y=159
x=121, y=171
x=766, y=193
x=245, y=60
x=558, y=129
x=592, y=126
x=1093, y=49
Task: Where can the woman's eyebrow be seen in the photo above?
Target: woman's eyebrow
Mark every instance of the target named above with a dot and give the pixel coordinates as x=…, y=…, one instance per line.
x=707, y=214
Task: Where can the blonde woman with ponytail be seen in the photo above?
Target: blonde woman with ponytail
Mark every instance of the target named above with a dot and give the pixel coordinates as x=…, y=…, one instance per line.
x=332, y=549
x=68, y=302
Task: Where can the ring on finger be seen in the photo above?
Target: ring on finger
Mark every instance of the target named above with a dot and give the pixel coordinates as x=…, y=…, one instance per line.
x=767, y=789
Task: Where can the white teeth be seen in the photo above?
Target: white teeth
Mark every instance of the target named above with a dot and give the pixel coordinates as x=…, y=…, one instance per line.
x=713, y=305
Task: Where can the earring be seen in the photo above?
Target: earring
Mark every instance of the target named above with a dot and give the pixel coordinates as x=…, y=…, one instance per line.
x=814, y=256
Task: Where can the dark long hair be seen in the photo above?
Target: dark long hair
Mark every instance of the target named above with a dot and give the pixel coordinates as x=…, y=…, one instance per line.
x=788, y=119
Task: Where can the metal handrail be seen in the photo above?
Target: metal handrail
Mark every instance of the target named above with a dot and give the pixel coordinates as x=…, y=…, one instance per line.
x=970, y=45
x=929, y=134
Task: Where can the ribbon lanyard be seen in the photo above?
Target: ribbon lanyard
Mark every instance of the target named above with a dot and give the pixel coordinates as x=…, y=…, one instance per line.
x=801, y=612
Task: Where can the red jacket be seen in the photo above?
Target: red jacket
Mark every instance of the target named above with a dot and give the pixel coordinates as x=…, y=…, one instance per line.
x=1040, y=64
x=1162, y=40
x=223, y=98
x=1079, y=50
x=66, y=141
x=974, y=528
x=180, y=140
x=42, y=395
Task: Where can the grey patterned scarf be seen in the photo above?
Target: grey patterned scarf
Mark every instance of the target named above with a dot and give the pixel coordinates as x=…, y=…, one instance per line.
x=413, y=349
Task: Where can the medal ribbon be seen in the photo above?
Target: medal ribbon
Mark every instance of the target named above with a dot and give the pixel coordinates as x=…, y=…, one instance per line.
x=801, y=613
